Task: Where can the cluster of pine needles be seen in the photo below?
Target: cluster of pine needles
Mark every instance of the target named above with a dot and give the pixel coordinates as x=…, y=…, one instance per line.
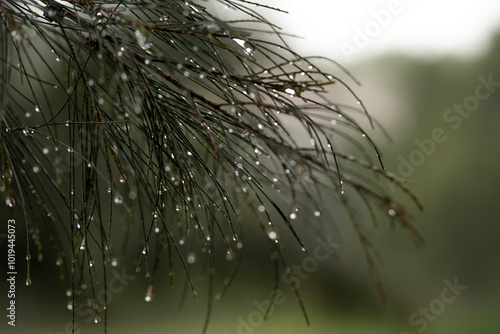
x=161, y=117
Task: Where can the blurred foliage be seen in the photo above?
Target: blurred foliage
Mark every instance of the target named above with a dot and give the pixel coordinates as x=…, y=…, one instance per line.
x=458, y=184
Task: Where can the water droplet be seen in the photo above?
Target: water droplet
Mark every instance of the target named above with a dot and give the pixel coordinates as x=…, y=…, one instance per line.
x=97, y=319
x=391, y=212
x=69, y=305
x=230, y=255
x=247, y=46
x=45, y=150
x=239, y=245
x=28, y=281
x=191, y=257
x=69, y=292
x=211, y=26
x=118, y=199
x=261, y=208
x=272, y=233
x=28, y=257
x=123, y=179
x=114, y=262
x=142, y=39
x=290, y=91
x=317, y=212
x=10, y=202
x=27, y=114
x=83, y=246
x=149, y=294
x=294, y=212
x=144, y=250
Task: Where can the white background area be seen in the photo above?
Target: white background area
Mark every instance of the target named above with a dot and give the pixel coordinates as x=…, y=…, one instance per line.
x=423, y=27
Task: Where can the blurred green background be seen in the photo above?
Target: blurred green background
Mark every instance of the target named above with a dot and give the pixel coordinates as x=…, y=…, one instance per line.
x=457, y=180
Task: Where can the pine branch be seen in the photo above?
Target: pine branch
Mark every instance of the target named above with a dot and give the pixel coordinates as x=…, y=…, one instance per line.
x=160, y=114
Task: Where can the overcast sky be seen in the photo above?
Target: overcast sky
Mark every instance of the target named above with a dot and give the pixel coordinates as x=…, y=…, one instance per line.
x=351, y=31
